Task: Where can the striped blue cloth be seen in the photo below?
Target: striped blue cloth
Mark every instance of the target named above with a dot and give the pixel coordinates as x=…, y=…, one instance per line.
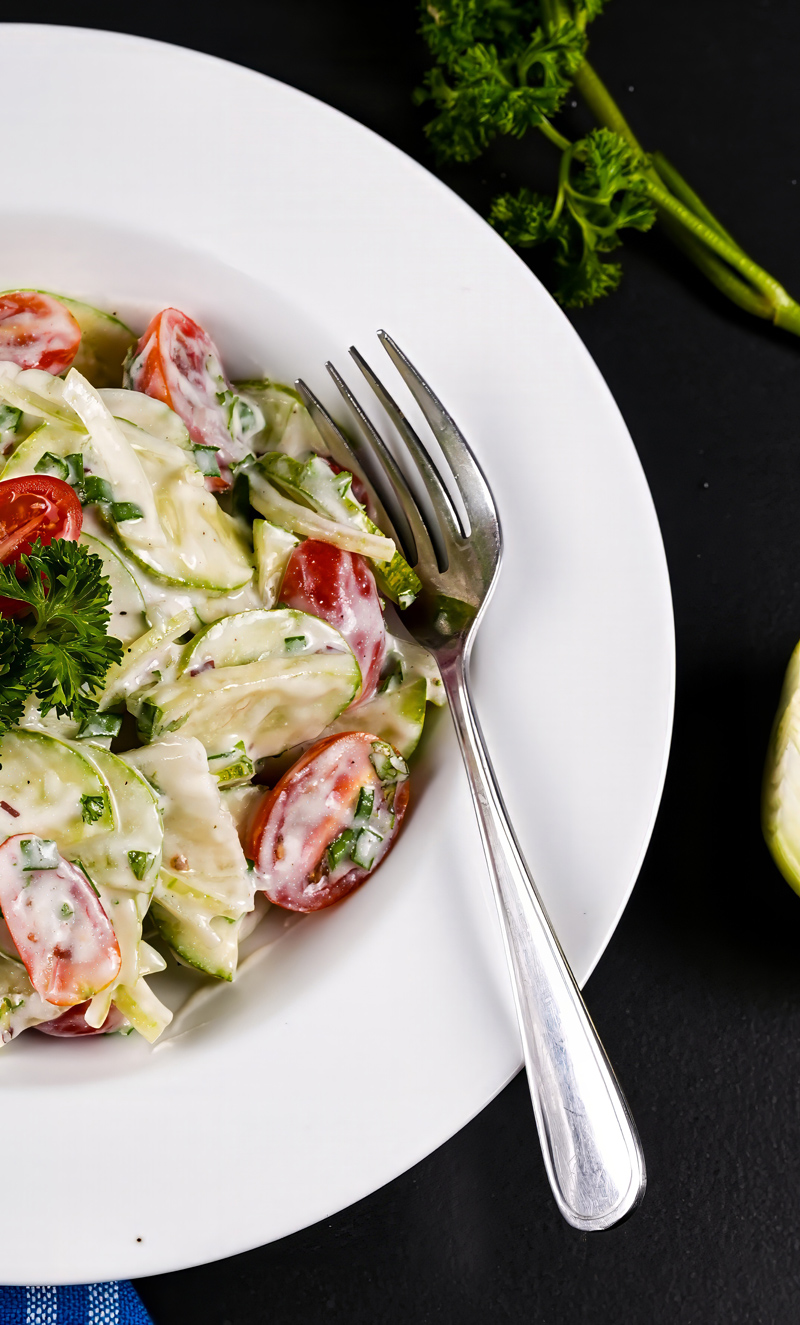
x=76, y=1304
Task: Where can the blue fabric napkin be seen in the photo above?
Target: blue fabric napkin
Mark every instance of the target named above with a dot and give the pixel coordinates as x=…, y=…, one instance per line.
x=77, y=1304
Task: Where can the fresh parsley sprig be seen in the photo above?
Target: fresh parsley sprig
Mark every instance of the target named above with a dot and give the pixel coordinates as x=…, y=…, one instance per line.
x=61, y=651
x=505, y=67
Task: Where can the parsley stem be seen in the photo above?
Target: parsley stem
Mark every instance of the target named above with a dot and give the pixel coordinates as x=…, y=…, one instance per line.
x=691, y=226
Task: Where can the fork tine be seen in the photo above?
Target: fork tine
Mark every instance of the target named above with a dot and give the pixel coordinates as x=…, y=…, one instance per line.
x=434, y=501
x=397, y=495
x=342, y=451
x=469, y=477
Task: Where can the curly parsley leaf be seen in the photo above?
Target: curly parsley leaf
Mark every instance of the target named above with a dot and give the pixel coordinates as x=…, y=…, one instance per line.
x=602, y=190
x=494, y=77
x=14, y=654
x=63, y=649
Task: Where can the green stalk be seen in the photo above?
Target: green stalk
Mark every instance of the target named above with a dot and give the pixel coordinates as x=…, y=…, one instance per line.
x=690, y=224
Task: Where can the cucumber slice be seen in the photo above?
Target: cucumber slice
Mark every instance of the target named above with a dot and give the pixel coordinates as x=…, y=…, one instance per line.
x=396, y=716
x=128, y=620
x=204, y=547
x=269, y=705
x=49, y=789
x=20, y=1005
x=200, y=546
x=55, y=438
x=190, y=923
x=149, y=654
x=273, y=547
x=288, y=426
x=152, y=416
x=123, y=865
x=105, y=340
x=250, y=637
x=205, y=886
x=128, y=857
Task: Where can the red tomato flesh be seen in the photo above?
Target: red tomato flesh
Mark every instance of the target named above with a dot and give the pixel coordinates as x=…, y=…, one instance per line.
x=314, y=803
x=73, y=1022
x=59, y=928
x=36, y=331
x=31, y=507
x=340, y=588
x=177, y=361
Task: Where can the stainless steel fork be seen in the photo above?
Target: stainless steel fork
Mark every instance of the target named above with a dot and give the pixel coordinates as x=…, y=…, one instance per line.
x=589, y=1141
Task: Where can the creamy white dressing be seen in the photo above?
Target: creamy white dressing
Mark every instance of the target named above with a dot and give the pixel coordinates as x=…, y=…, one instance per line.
x=268, y=705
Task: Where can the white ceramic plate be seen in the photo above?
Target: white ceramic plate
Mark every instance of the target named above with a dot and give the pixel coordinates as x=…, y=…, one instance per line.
x=141, y=175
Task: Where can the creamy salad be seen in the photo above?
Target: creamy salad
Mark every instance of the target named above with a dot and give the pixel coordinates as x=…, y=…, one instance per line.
x=207, y=704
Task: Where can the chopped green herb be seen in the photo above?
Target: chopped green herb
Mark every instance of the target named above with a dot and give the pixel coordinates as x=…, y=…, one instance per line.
x=52, y=464
x=97, y=489
x=295, y=643
x=339, y=848
x=125, y=510
x=206, y=460
x=39, y=853
x=67, y=911
x=93, y=808
x=366, y=848
x=148, y=721
x=140, y=863
x=75, y=474
x=393, y=673
x=366, y=800
x=100, y=724
x=388, y=764
x=9, y=418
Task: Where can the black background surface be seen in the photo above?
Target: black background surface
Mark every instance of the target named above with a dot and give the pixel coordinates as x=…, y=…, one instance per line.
x=698, y=994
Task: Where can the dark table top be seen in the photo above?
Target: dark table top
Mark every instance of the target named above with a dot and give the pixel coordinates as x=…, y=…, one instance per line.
x=697, y=996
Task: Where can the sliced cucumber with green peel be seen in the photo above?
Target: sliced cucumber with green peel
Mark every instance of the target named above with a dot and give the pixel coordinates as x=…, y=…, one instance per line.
x=205, y=548
x=129, y=856
x=205, y=886
x=149, y=414
x=269, y=705
x=50, y=789
x=273, y=547
x=105, y=340
x=250, y=637
x=288, y=426
x=148, y=654
x=190, y=923
x=128, y=620
x=396, y=716
x=20, y=1005
x=55, y=439
x=123, y=866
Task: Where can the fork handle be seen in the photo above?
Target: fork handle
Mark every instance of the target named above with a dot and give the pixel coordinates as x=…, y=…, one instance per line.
x=590, y=1145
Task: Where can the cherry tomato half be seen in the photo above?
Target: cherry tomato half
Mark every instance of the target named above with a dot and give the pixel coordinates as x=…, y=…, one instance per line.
x=73, y=1022
x=34, y=506
x=177, y=361
x=339, y=587
x=59, y=928
x=329, y=822
x=36, y=331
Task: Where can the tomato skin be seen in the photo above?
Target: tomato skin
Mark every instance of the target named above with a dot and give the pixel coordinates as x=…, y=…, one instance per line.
x=34, y=506
x=54, y=917
x=73, y=1022
x=36, y=331
x=171, y=363
x=340, y=588
x=311, y=805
